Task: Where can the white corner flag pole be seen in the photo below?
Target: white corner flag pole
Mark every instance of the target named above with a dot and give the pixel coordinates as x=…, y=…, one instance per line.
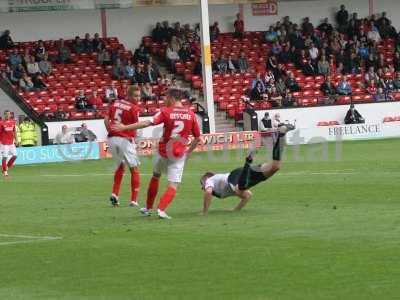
x=206, y=63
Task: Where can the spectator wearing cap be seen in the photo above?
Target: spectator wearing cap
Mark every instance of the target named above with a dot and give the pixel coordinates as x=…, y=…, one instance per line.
x=65, y=136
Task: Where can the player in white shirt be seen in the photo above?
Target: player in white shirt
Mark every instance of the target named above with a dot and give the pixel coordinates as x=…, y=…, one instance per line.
x=239, y=181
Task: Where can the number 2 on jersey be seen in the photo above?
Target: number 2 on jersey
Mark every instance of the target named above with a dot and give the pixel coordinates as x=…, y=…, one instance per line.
x=179, y=125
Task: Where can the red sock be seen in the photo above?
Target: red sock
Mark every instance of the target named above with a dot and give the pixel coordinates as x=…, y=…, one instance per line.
x=119, y=173
x=167, y=198
x=135, y=184
x=11, y=162
x=152, y=191
x=4, y=164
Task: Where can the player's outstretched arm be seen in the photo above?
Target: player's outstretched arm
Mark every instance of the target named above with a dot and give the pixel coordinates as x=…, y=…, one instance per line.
x=107, y=123
x=207, y=197
x=138, y=125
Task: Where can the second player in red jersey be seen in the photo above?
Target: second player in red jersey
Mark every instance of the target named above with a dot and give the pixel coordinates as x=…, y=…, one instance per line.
x=8, y=135
x=122, y=144
x=179, y=123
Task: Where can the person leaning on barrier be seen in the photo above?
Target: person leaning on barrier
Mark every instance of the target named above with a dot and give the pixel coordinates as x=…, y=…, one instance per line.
x=353, y=116
x=265, y=123
x=85, y=134
x=27, y=133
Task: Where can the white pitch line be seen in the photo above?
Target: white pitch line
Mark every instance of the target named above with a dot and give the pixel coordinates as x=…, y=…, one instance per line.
x=27, y=239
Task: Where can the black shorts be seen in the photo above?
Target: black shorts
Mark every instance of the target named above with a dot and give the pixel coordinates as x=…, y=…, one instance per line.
x=255, y=176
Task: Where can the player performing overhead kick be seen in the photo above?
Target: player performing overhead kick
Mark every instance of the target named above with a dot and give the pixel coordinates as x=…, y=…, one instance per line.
x=122, y=144
x=179, y=123
x=8, y=140
x=241, y=180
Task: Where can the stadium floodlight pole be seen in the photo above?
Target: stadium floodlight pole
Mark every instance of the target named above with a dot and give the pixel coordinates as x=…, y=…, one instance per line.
x=206, y=63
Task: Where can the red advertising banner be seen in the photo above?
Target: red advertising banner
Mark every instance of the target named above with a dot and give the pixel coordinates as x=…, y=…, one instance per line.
x=270, y=8
x=209, y=142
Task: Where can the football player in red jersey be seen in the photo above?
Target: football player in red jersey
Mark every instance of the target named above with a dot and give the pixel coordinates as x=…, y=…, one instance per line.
x=122, y=143
x=8, y=140
x=179, y=123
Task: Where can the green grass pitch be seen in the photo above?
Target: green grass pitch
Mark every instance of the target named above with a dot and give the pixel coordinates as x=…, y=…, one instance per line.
x=325, y=227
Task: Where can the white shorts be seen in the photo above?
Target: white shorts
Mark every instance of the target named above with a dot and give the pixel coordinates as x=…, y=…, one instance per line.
x=123, y=151
x=172, y=167
x=8, y=151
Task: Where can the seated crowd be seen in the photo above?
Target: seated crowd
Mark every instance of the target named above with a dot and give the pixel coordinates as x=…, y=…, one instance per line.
x=367, y=49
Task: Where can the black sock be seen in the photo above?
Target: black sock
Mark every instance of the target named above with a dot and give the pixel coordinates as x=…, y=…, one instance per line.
x=243, y=178
x=278, y=148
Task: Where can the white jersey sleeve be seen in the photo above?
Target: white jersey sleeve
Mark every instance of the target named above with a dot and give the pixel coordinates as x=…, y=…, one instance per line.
x=220, y=185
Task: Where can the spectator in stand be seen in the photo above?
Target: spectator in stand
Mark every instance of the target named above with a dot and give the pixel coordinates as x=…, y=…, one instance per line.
x=381, y=62
x=198, y=67
x=14, y=59
x=387, y=85
x=151, y=75
x=104, y=58
x=288, y=99
x=64, y=53
x=95, y=101
x=6, y=75
x=173, y=84
x=276, y=48
x=301, y=59
x=154, y=67
x=323, y=66
x=32, y=67
x=373, y=34
x=340, y=69
x=222, y=65
x=166, y=32
x=344, y=87
x=257, y=93
x=65, y=136
x=271, y=35
x=118, y=71
x=38, y=82
x=17, y=74
x=371, y=75
x=292, y=84
x=157, y=33
x=81, y=101
x=280, y=86
x=274, y=97
x=313, y=52
x=286, y=55
x=185, y=52
x=269, y=77
x=78, y=45
x=353, y=116
x=372, y=88
x=26, y=84
x=111, y=93
x=272, y=63
x=147, y=92
x=325, y=27
x=232, y=64
x=172, y=57
x=265, y=124
x=279, y=72
x=85, y=134
x=141, y=55
x=328, y=89
x=45, y=66
x=87, y=44
x=140, y=75
x=97, y=44
x=6, y=41
x=40, y=51
x=239, y=27
x=309, y=69
x=381, y=96
x=115, y=55
x=214, y=32
x=342, y=17
x=243, y=64
x=307, y=27
x=129, y=71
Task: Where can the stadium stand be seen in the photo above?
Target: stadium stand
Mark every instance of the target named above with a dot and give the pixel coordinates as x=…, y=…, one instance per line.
x=361, y=48
x=85, y=71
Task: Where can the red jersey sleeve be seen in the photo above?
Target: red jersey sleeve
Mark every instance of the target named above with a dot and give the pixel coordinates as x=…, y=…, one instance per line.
x=158, y=118
x=195, y=128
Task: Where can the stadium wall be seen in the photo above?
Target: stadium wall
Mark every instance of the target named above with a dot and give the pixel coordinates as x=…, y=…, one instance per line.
x=131, y=24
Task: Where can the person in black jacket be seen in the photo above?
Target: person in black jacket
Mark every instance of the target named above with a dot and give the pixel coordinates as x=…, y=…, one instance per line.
x=6, y=41
x=342, y=18
x=353, y=116
x=257, y=93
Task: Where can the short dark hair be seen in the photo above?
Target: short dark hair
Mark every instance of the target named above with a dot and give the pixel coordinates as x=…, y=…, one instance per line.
x=204, y=178
x=177, y=94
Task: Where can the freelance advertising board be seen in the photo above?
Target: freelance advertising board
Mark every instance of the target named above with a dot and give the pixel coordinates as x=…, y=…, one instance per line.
x=57, y=153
